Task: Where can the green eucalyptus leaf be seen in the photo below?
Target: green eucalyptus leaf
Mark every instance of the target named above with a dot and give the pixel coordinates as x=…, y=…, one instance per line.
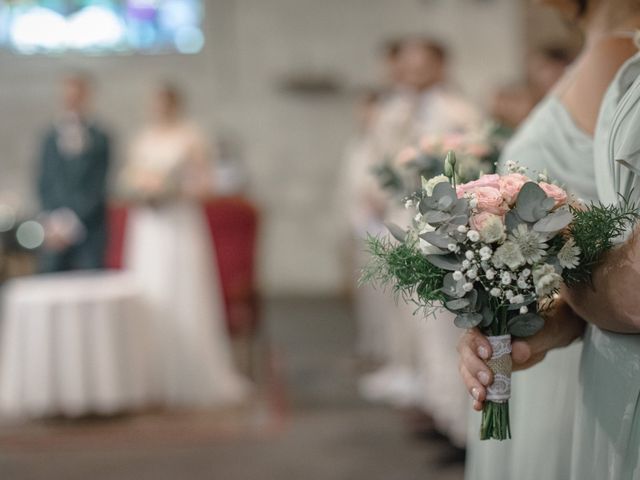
x=487, y=316
x=525, y=325
x=530, y=202
x=468, y=320
x=457, y=304
x=447, y=262
x=434, y=217
x=444, y=189
x=512, y=220
x=472, y=298
x=452, y=287
x=445, y=203
x=554, y=222
x=440, y=240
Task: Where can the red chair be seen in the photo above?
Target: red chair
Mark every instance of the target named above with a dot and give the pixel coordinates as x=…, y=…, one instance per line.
x=234, y=226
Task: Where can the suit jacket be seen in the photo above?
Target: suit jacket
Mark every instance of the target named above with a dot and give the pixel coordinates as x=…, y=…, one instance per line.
x=78, y=182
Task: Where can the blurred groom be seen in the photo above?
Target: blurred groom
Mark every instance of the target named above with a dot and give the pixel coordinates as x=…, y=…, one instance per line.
x=72, y=177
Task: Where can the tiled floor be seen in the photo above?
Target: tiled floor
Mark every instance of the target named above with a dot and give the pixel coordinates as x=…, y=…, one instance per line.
x=328, y=432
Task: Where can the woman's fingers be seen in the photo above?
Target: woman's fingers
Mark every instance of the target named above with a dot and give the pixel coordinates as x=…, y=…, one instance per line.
x=475, y=365
x=474, y=387
x=477, y=342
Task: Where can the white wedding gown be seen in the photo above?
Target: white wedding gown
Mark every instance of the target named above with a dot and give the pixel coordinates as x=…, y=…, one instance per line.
x=169, y=250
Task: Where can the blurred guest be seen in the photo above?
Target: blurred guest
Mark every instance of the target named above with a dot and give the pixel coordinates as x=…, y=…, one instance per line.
x=545, y=66
x=441, y=109
x=421, y=362
x=73, y=167
x=511, y=104
x=170, y=250
x=366, y=205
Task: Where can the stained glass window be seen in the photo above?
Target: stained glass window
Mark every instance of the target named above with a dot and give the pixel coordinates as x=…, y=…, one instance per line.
x=101, y=26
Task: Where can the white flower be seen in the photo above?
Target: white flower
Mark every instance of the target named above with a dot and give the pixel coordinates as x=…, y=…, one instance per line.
x=505, y=278
x=490, y=274
x=465, y=264
x=532, y=245
x=569, y=254
x=495, y=292
x=409, y=204
x=473, y=235
x=492, y=229
x=522, y=284
x=526, y=273
x=546, y=280
x=485, y=253
x=469, y=254
x=473, y=203
x=452, y=247
x=508, y=294
x=472, y=274
x=429, y=185
x=508, y=254
x=517, y=299
x=467, y=287
x=523, y=310
x=462, y=229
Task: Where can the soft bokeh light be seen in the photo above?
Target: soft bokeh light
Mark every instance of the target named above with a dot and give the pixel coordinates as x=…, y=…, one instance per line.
x=30, y=235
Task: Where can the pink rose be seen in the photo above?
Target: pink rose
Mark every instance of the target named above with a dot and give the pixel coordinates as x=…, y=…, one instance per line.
x=480, y=220
x=484, y=181
x=510, y=186
x=490, y=200
x=555, y=192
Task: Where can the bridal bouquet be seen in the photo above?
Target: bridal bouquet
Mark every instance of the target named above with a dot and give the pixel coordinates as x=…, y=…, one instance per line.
x=476, y=153
x=146, y=184
x=495, y=252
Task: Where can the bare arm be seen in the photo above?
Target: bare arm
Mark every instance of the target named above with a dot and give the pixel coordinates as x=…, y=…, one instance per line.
x=613, y=303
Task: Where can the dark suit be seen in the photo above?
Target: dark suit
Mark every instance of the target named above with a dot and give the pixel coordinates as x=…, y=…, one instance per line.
x=77, y=182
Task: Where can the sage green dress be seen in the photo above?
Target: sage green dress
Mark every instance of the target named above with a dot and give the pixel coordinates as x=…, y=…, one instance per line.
x=607, y=421
x=543, y=397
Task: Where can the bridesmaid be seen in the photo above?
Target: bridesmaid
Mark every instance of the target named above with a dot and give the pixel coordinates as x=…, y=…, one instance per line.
x=558, y=138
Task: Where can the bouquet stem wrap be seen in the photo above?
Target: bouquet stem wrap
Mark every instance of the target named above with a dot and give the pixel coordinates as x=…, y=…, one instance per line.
x=495, y=415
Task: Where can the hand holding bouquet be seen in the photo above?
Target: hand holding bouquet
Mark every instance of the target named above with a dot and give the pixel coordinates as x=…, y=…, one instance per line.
x=495, y=252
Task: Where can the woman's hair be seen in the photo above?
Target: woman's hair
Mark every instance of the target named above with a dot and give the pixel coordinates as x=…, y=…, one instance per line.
x=172, y=94
x=583, y=5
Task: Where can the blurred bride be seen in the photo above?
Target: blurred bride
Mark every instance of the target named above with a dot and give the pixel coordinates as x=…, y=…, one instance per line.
x=170, y=251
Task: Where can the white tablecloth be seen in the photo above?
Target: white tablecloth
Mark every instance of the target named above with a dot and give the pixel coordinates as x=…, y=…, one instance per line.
x=73, y=344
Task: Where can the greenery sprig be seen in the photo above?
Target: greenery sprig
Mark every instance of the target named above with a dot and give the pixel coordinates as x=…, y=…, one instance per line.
x=406, y=269
x=594, y=230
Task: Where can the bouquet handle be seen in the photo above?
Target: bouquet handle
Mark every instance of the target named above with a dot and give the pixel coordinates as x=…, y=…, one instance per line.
x=495, y=414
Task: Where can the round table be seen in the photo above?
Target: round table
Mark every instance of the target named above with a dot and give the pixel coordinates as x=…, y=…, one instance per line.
x=73, y=344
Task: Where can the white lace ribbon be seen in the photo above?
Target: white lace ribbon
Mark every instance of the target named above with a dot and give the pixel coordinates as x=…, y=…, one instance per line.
x=500, y=364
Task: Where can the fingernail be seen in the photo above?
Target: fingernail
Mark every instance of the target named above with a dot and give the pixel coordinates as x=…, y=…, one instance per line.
x=483, y=377
x=475, y=393
x=483, y=352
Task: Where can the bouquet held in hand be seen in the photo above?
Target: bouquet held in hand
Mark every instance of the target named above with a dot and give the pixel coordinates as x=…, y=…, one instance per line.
x=495, y=252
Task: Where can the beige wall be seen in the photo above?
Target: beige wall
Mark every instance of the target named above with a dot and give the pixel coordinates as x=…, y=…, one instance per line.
x=293, y=144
